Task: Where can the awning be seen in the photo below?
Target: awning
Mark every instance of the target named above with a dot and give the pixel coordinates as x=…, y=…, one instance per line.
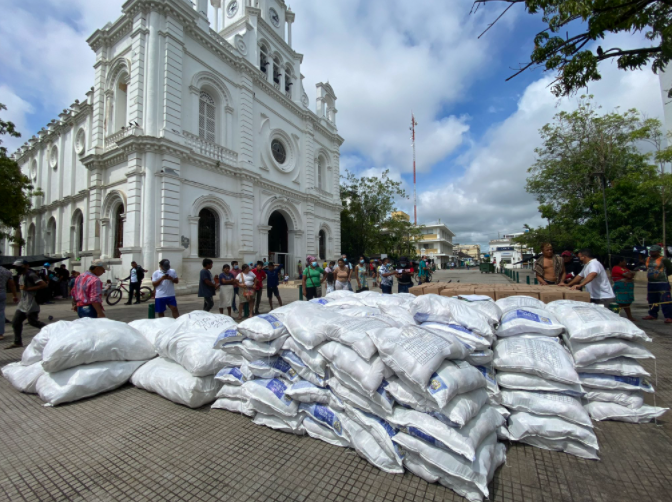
x=34, y=261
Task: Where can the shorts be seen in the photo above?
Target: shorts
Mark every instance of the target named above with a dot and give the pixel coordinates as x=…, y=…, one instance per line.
x=273, y=291
x=161, y=304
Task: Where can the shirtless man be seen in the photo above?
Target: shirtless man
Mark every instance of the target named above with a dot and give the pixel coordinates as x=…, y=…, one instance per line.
x=549, y=269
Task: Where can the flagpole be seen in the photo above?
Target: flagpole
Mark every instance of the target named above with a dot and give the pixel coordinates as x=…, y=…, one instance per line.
x=415, y=195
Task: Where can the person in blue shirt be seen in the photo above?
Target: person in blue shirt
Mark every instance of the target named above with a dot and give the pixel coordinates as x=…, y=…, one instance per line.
x=272, y=283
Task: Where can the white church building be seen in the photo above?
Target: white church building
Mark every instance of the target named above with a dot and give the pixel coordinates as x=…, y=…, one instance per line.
x=196, y=140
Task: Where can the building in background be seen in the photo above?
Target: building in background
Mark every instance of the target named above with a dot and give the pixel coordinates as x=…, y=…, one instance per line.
x=436, y=241
x=472, y=252
x=192, y=143
x=507, y=253
x=400, y=215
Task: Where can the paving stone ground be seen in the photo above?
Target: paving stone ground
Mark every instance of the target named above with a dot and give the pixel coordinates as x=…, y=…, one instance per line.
x=132, y=445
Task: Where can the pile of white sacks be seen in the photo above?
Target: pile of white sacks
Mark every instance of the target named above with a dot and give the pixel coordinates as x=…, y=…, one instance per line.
x=606, y=348
x=426, y=383
x=68, y=361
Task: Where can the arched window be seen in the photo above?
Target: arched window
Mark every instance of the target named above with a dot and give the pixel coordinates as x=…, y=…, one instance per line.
x=208, y=234
x=51, y=236
x=289, y=80
x=30, y=243
x=79, y=234
x=206, y=117
x=276, y=70
x=321, y=172
x=263, y=58
x=118, y=231
x=323, y=245
x=121, y=103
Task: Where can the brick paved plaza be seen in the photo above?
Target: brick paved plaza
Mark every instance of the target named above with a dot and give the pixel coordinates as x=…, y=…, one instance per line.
x=133, y=445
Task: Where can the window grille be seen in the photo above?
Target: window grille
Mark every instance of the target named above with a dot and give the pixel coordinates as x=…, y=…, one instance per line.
x=206, y=118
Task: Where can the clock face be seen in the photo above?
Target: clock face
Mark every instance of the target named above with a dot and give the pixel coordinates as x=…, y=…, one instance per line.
x=275, y=17
x=232, y=8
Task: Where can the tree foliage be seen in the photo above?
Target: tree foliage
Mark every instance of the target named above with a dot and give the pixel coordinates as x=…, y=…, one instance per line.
x=574, y=24
x=368, y=203
x=15, y=187
x=581, y=150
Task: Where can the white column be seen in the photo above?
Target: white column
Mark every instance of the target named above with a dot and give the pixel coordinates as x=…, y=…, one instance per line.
x=229, y=240
x=193, y=237
x=104, y=245
x=195, y=96
x=217, y=19
x=229, y=128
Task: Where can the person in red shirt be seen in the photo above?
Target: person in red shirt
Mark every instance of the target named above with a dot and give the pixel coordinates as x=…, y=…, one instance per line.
x=88, y=291
x=259, y=284
x=624, y=288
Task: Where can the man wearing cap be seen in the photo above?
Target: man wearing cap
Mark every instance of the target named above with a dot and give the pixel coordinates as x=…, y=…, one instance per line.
x=28, y=308
x=6, y=282
x=658, y=288
x=88, y=291
x=164, y=281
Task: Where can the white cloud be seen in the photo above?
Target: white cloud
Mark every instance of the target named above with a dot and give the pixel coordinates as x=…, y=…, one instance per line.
x=16, y=112
x=490, y=196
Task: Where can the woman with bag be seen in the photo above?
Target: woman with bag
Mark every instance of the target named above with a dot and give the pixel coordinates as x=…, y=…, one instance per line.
x=246, y=283
x=312, y=279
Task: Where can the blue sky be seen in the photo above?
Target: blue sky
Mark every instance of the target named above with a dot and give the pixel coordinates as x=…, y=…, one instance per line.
x=384, y=58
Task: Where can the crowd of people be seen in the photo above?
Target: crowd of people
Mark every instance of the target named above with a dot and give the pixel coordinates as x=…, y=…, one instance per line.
x=583, y=270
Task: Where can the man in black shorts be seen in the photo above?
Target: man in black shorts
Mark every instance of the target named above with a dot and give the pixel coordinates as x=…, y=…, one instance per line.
x=272, y=282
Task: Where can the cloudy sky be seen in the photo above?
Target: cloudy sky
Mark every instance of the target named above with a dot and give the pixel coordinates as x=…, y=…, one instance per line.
x=384, y=58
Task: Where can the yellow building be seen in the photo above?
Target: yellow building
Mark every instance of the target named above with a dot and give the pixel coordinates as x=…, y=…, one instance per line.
x=400, y=215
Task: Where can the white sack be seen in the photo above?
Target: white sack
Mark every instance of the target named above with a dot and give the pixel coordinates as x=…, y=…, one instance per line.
x=523, y=425
x=281, y=312
x=213, y=324
x=368, y=374
x=462, y=408
x=84, y=381
x=547, y=404
x=150, y=328
x=305, y=324
x=476, y=342
x=291, y=425
x=415, y=353
x=234, y=405
x=227, y=338
x=382, y=433
x=612, y=411
x=170, y=380
x=252, y=350
x=269, y=368
x=428, y=308
x=337, y=295
x=348, y=395
x=33, y=352
x=488, y=372
x=301, y=369
x=352, y=333
x=271, y=393
x=480, y=357
x=529, y=320
x=523, y=381
x=544, y=357
x=318, y=431
x=410, y=396
x=231, y=392
x=491, y=456
x=92, y=340
x=311, y=357
x=632, y=400
x=263, y=328
x=486, y=306
x=361, y=311
x=192, y=347
x=326, y=416
x=570, y=446
x=453, y=378
x=344, y=303
x=231, y=376
x=585, y=323
x=398, y=313
x=366, y=445
x=23, y=378
x=305, y=392
x=392, y=302
x=464, y=442
x=594, y=352
x=613, y=382
x=475, y=473
x=514, y=302
x=621, y=366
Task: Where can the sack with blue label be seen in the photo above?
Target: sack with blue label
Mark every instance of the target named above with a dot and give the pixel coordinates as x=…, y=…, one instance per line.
x=586, y=323
x=323, y=433
x=368, y=374
x=268, y=397
x=232, y=376
x=519, y=301
x=529, y=321
x=263, y=328
x=240, y=406
x=612, y=411
x=442, y=309
x=367, y=446
x=391, y=455
x=272, y=367
x=291, y=425
x=614, y=382
x=380, y=404
x=586, y=354
x=302, y=369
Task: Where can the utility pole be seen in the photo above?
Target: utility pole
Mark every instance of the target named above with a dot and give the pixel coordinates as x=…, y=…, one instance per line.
x=415, y=195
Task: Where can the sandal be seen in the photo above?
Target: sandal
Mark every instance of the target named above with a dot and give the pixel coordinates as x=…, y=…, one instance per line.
x=649, y=318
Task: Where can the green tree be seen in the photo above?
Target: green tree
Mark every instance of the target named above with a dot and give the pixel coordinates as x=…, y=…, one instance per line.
x=368, y=203
x=580, y=151
x=573, y=24
x=400, y=236
x=15, y=187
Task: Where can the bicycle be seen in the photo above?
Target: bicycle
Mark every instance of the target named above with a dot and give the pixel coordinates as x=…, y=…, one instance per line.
x=117, y=293
x=427, y=277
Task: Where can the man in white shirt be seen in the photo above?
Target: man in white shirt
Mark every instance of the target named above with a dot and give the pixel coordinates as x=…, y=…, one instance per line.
x=594, y=278
x=164, y=281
